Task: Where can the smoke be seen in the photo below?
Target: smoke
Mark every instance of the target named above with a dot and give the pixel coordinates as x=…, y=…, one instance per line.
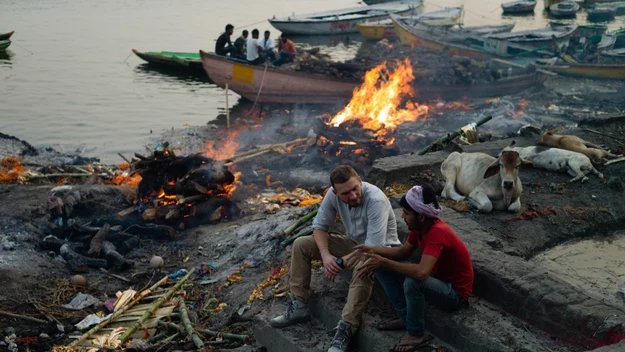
x=507, y=119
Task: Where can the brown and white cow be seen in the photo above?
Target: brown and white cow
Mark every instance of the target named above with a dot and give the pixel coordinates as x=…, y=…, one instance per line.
x=488, y=182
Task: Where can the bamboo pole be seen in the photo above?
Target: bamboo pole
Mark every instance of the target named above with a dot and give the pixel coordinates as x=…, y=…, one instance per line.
x=119, y=312
x=184, y=316
x=23, y=317
x=148, y=314
x=227, y=107
x=65, y=175
x=449, y=137
x=304, y=219
x=226, y=336
x=292, y=239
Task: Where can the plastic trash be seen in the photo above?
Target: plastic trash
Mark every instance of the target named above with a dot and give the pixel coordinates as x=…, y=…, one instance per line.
x=82, y=301
x=91, y=320
x=178, y=274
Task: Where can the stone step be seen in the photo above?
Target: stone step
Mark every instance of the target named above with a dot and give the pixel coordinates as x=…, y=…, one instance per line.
x=479, y=327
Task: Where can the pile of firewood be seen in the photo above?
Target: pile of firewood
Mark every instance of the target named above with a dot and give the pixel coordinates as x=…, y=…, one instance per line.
x=173, y=188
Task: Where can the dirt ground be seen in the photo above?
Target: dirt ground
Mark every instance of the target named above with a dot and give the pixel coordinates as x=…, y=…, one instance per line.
x=36, y=280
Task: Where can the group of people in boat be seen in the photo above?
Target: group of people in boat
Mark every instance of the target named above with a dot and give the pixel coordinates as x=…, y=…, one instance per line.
x=254, y=50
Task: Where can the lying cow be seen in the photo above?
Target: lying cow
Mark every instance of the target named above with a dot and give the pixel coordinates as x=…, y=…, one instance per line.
x=490, y=183
x=576, y=144
x=575, y=164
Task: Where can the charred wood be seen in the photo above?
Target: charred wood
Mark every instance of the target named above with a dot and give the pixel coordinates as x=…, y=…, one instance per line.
x=79, y=263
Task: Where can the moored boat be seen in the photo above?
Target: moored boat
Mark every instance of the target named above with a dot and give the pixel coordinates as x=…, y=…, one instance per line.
x=601, y=13
x=584, y=30
x=518, y=7
x=275, y=85
x=549, y=3
x=544, y=37
x=606, y=42
x=342, y=21
x=5, y=36
x=384, y=29
x=4, y=44
x=169, y=59
x=564, y=9
x=592, y=71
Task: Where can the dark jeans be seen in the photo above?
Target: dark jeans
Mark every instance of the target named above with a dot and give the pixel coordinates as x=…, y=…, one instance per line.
x=227, y=50
x=408, y=296
x=284, y=58
x=270, y=55
x=259, y=60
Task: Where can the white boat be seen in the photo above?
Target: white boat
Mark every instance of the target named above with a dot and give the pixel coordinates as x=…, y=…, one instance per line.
x=564, y=9
x=516, y=7
x=607, y=42
x=459, y=33
x=537, y=38
x=614, y=56
x=446, y=17
x=342, y=21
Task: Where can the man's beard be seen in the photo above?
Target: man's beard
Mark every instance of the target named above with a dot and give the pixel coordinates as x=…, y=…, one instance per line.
x=355, y=203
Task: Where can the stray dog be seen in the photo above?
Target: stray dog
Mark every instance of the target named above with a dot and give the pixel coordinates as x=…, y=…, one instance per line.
x=575, y=164
x=576, y=144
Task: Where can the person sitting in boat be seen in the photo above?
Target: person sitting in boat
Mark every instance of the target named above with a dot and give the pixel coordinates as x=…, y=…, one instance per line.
x=224, y=46
x=286, y=49
x=254, y=50
x=590, y=52
x=268, y=46
x=239, y=44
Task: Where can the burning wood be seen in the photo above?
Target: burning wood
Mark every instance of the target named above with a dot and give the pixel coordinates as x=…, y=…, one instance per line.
x=173, y=188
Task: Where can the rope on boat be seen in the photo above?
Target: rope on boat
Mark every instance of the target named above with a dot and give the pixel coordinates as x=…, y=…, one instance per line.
x=262, y=81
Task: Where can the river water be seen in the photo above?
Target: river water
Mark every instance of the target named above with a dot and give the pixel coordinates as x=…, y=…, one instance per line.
x=68, y=80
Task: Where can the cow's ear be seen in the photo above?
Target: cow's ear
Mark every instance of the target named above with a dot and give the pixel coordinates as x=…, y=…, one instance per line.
x=526, y=164
x=492, y=170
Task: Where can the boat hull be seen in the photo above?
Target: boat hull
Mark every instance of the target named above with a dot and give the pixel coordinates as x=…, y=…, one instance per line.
x=184, y=61
x=548, y=3
x=518, y=10
x=411, y=37
x=5, y=36
x=4, y=44
x=377, y=31
x=281, y=86
x=616, y=72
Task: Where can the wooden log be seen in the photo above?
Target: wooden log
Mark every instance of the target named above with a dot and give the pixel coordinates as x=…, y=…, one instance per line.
x=149, y=214
x=96, y=241
x=23, y=317
x=126, y=212
x=113, y=258
x=79, y=263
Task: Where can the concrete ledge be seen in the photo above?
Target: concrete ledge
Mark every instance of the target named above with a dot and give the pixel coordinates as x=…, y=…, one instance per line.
x=303, y=337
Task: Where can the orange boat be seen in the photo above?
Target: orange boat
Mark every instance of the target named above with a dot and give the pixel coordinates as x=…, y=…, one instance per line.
x=268, y=84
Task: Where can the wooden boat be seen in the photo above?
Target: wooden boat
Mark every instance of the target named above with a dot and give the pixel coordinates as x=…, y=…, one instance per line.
x=5, y=36
x=600, y=13
x=374, y=2
x=169, y=59
x=593, y=71
x=606, y=42
x=537, y=37
x=518, y=7
x=564, y=9
x=620, y=37
x=384, y=29
x=281, y=86
x=342, y=21
x=583, y=30
x=614, y=56
x=4, y=44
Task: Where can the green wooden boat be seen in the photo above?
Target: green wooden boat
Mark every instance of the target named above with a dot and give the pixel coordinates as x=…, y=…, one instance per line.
x=170, y=59
x=4, y=44
x=620, y=37
x=5, y=36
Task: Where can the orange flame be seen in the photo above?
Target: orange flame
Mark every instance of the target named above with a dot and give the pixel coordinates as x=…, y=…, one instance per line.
x=10, y=168
x=231, y=187
x=376, y=103
x=522, y=105
x=224, y=147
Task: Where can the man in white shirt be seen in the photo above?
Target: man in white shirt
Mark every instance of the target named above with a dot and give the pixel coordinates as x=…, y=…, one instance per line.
x=268, y=46
x=254, y=49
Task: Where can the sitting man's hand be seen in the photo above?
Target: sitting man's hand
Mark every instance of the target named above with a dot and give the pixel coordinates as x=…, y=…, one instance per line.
x=373, y=263
x=331, y=268
x=358, y=255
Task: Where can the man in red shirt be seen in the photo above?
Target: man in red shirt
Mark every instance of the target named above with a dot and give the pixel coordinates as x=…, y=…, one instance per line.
x=443, y=277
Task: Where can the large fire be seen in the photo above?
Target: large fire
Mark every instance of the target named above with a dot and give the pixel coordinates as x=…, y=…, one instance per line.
x=377, y=103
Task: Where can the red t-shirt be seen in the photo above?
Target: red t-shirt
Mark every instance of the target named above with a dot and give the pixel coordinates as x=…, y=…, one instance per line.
x=454, y=262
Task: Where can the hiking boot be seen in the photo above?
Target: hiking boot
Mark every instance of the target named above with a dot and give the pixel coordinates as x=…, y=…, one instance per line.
x=341, y=337
x=296, y=311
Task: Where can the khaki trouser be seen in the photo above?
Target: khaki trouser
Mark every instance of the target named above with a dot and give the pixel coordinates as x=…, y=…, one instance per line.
x=305, y=250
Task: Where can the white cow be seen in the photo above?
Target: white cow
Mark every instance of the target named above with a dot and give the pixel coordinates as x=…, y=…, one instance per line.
x=490, y=183
x=575, y=164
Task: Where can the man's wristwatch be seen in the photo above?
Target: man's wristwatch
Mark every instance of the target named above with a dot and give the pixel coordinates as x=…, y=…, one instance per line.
x=339, y=262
